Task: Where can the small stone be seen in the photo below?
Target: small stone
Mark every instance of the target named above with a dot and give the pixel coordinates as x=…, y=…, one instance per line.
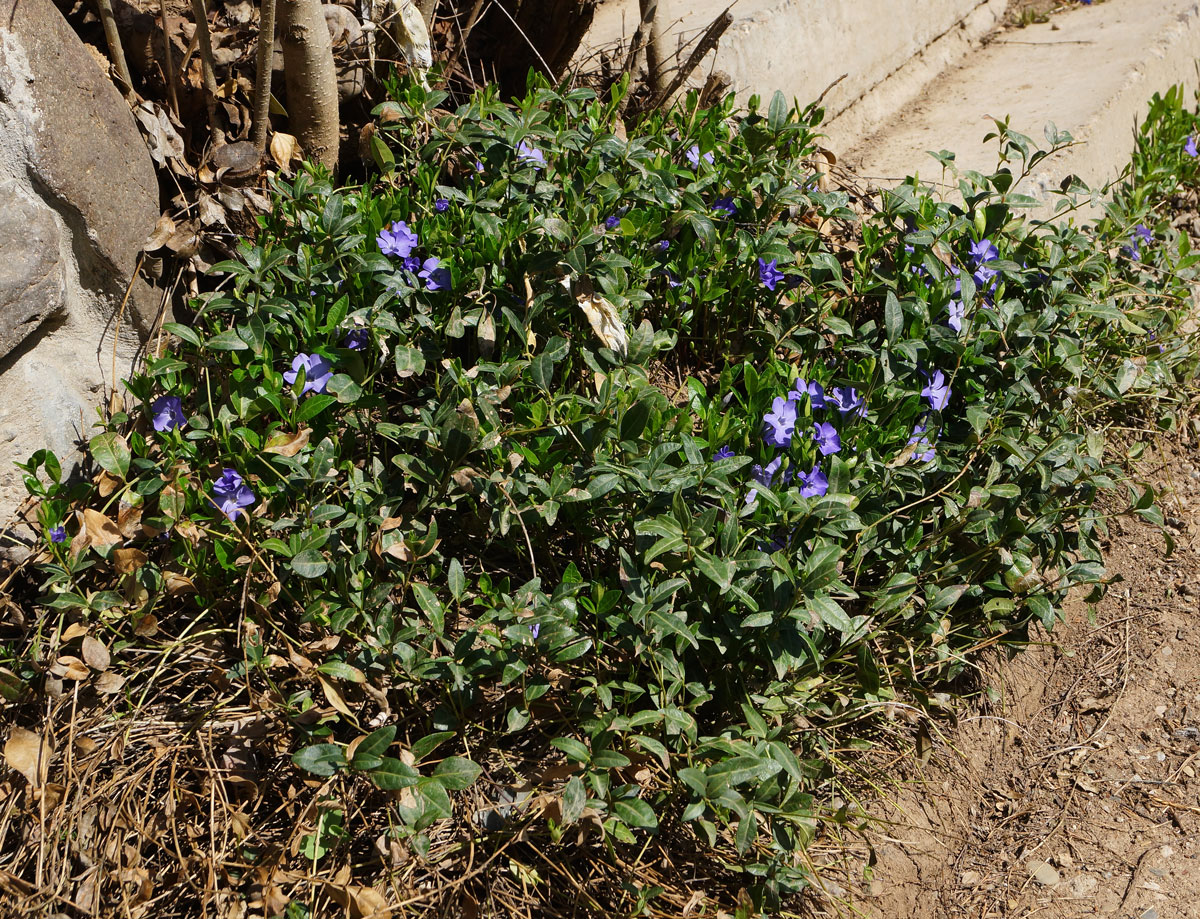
x=1063, y=860
x=1082, y=885
x=970, y=879
x=1166, y=851
x=1150, y=913
x=1043, y=872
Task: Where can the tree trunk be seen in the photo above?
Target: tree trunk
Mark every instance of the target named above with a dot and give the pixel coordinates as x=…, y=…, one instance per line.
x=312, y=97
x=262, y=76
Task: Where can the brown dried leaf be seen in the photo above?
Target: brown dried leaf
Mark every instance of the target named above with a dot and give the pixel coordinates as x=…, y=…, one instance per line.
x=129, y=521
x=127, y=561
x=109, y=683
x=283, y=149
x=70, y=668
x=334, y=697
x=30, y=755
x=95, y=655
x=146, y=626
x=285, y=444
x=163, y=230
x=178, y=584
x=210, y=210
x=100, y=530
x=73, y=631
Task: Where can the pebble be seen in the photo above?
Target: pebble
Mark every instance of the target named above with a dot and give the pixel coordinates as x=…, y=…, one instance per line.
x=1082, y=885
x=1043, y=873
x=1150, y=913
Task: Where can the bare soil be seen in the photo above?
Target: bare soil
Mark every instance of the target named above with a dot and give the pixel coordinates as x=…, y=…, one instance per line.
x=1075, y=793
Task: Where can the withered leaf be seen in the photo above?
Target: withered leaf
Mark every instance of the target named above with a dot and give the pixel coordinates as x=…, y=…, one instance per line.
x=70, y=668
x=127, y=561
x=95, y=655
x=100, y=530
x=109, y=683
x=284, y=444
x=283, y=149
x=30, y=755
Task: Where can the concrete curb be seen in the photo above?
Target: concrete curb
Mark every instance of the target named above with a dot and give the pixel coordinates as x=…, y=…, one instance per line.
x=1090, y=71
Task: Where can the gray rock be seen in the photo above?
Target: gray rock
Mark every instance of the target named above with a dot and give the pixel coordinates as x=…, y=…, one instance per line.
x=1083, y=885
x=32, y=285
x=69, y=128
x=1043, y=872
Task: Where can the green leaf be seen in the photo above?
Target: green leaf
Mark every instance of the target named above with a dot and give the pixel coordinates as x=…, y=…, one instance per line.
x=342, y=386
x=320, y=759
x=409, y=362
x=719, y=571
x=576, y=751
x=313, y=406
x=436, y=801
x=309, y=564
x=185, y=332
x=574, y=798
x=457, y=579
x=374, y=744
x=456, y=773
x=229, y=340
x=893, y=317
x=635, y=812
x=393, y=774
x=112, y=453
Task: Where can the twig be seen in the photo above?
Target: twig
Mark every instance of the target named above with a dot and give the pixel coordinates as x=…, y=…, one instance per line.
x=706, y=44
x=113, y=37
x=463, y=35
x=262, y=76
x=207, y=69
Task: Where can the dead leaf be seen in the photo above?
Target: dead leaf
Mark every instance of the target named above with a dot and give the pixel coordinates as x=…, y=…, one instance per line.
x=178, y=584
x=73, y=631
x=605, y=322
x=285, y=444
x=99, y=529
x=485, y=333
x=30, y=755
x=127, y=561
x=146, y=626
x=129, y=521
x=185, y=241
x=95, y=655
x=162, y=139
x=163, y=230
x=283, y=148
x=334, y=697
x=210, y=210
x=70, y=668
x=108, y=683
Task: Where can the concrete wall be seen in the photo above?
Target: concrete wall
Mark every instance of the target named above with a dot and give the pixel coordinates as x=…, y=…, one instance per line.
x=800, y=46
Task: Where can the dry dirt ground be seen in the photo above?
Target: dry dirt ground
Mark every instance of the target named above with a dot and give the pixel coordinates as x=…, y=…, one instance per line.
x=1076, y=792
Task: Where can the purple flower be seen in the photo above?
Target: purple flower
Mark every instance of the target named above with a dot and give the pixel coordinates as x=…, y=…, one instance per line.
x=58, y=534
x=936, y=390
x=397, y=239
x=813, y=484
x=957, y=312
x=357, y=339
x=317, y=371
x=924, y=447
x=412, y=263
x=846, y=400
x=663, y=245
x=436, y=278
x=723, y=453
x=168, y=413
x=479, y=165
x=779, y=424
x=611, y=223
x=769, y=274
x=827, y=438
x=441, y=205
x=814, y=390
x=231, y=494
x=984, y=251
x=693, y=156
x=530, y=156
x=1190, y=147
x=535, y=629
x=725, y=206
x=763, y=476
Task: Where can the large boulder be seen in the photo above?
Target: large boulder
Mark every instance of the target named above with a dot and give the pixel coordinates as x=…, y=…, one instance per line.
x=78, y=197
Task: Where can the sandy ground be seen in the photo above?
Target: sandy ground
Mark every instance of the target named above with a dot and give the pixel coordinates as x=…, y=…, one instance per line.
x=1075, y=793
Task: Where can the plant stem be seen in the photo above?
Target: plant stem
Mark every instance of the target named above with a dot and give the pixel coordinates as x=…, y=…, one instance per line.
x=206, y=68
x=113, y=36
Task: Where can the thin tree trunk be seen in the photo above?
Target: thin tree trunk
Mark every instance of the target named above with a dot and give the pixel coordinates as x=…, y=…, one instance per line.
x=115, y=49
x=312, y=97
x=207, y=71
x=654, y=49
x=262, y=77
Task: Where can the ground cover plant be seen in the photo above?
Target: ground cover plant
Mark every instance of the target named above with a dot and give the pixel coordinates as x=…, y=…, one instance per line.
x=575, y=498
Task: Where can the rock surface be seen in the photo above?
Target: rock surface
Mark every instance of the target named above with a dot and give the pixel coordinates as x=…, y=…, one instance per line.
x=78, y=197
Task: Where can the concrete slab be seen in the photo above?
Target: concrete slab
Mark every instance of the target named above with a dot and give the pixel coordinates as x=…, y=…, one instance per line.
x=1090, y=71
